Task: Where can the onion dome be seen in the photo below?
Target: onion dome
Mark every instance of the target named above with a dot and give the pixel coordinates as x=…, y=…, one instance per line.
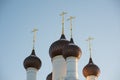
x=72, y=50
x=49, y=77
x=91, y=69
x=32, y=61
x=57, y=47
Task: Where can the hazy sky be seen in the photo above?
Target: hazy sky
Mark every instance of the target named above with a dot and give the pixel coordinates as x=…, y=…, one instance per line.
x=97, y=18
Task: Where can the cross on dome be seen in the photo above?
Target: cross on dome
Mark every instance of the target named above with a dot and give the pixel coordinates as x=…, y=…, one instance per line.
x=89, y=44
x=70, y=19
x=34, y=36
x=62, y=14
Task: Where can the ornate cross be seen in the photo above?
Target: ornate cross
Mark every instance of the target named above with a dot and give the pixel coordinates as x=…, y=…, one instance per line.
x=34, y=36
x=62, y=14
x=89, y=44
x=71, y=18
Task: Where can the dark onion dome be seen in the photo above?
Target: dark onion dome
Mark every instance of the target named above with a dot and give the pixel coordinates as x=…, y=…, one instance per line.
x=32, y=61
x=57, y=47
x=91, y=69
x=72, y=50
x=49, y=77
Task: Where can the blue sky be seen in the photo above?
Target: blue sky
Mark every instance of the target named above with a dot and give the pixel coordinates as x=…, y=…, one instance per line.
x=97, y=18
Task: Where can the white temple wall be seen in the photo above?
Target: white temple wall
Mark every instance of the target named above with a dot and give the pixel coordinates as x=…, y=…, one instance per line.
x=31, y=73
x=72, y=68
x=92, y=77
x=59, y=68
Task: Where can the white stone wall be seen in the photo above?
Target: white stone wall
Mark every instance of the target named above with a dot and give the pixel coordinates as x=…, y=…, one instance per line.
x=31, y=73
x=72, y=68
x=92, y=77
x=59, y=68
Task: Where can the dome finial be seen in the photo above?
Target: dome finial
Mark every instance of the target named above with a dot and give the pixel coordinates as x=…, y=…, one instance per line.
x=62, y=14
x=34, y=36
x=89, y=44
x=70, y=18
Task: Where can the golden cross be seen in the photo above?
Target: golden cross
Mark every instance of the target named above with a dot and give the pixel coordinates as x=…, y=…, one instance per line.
x=34, y=36
x=89, y=43
x=71, y=18
x=62, y=14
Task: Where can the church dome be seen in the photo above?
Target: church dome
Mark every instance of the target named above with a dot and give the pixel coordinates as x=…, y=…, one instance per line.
x=49, y=77
x=32, y=61
x=57, y=47
x=72, y=50
x=91, y=69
